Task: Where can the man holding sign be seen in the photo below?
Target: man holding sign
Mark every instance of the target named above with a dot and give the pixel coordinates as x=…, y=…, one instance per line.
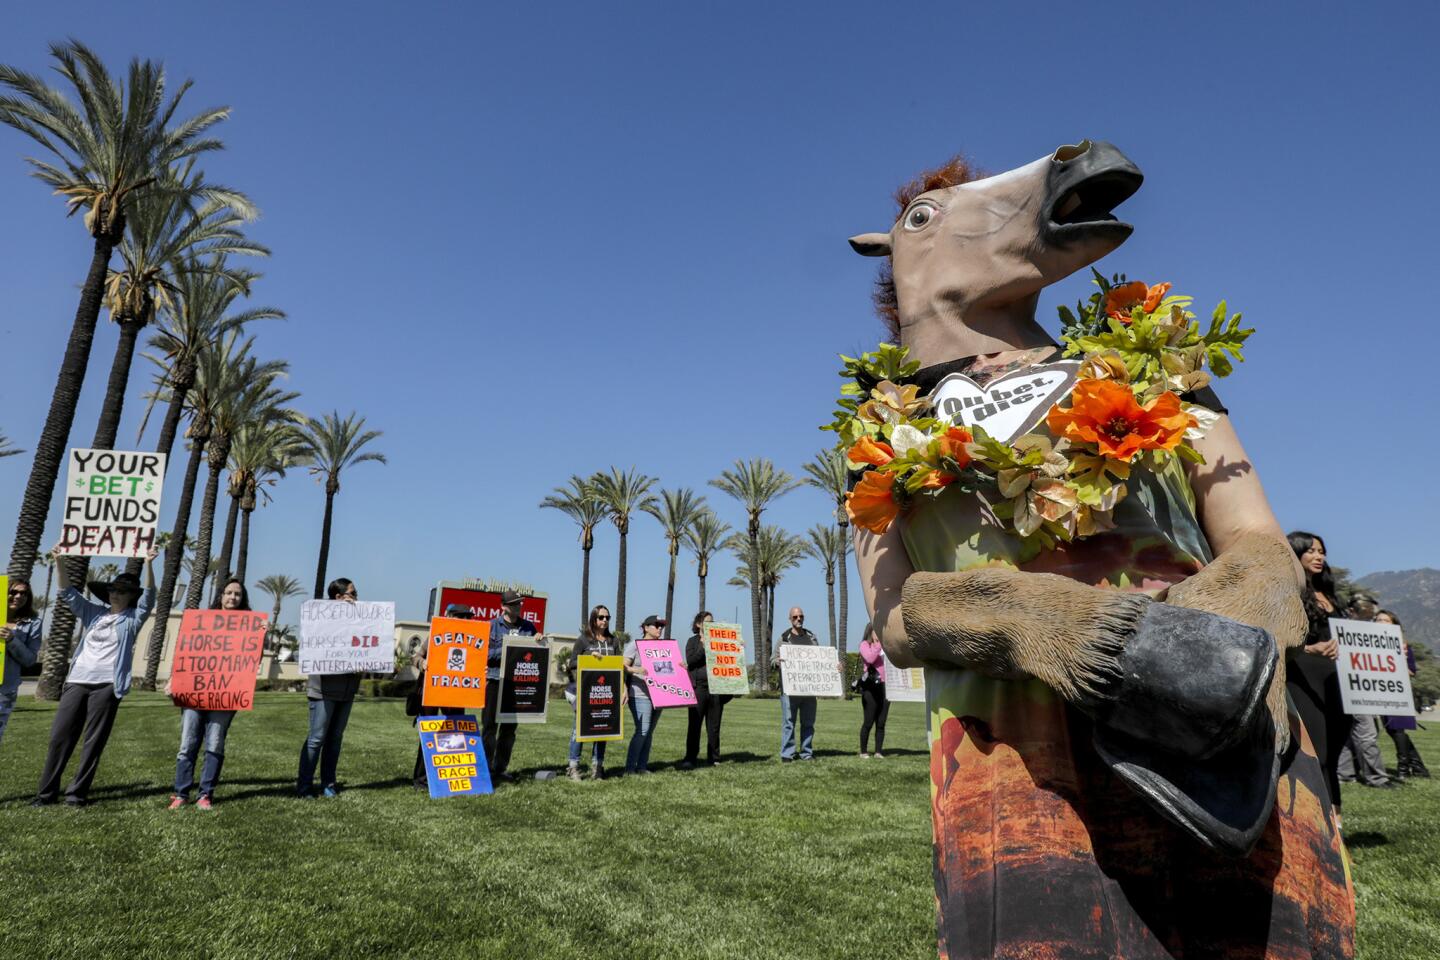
x=500, y=737
x=795, y=709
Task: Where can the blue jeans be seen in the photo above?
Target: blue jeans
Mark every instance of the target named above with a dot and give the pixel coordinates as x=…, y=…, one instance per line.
x=597, y=747
x=7, y=704
x=790, y=709
x=637, y=759
x=327, y=730
x=211, y=726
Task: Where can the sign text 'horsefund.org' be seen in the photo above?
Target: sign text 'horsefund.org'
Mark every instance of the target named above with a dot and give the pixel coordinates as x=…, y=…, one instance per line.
x=112, y=503
x=1374, y=676
x=337, y=636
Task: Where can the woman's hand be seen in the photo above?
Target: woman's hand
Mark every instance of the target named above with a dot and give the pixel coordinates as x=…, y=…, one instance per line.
x=1325, y=648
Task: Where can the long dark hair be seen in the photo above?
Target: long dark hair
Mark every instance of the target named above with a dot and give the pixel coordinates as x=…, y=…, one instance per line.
x=700, y=618
x=337, y=586
x=28, y=611
x=1388, y=613
x=591, y=621
x=220, y=594
x=1322, y=582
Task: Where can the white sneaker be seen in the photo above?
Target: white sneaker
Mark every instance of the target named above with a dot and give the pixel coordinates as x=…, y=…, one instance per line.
x=864, y=755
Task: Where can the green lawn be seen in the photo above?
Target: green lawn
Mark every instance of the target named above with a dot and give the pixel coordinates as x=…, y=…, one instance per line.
x=752, y=859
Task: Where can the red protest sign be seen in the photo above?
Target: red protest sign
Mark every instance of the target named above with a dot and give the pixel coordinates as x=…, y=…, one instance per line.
x=217, y=657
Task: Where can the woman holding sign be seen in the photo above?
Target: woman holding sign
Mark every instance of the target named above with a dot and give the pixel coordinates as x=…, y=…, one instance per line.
x=209, y=727
x=595, y=641
x=1407, y=757
x=330, y=697
x=20, y=635
x=637, y=758
x=99, y=677
x=709, y=708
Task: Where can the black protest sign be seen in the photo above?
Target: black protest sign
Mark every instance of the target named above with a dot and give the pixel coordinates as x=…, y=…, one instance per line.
x=524, y=681
x=598, y=682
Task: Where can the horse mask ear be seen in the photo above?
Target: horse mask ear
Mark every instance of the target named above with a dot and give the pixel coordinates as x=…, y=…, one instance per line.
x=871, y=244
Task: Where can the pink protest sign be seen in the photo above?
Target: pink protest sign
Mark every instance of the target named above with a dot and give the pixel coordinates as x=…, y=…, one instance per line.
x=665, y=673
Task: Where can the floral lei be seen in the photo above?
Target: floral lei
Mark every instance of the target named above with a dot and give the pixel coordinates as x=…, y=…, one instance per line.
x=1141, y=349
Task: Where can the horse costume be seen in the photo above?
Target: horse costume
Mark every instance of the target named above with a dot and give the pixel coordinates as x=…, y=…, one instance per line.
x=1115, y=770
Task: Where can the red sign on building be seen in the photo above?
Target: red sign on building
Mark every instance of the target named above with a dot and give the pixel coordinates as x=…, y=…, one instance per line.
x=483, y=604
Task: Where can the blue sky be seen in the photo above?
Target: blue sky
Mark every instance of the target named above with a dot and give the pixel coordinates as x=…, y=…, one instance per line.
x=527, y=243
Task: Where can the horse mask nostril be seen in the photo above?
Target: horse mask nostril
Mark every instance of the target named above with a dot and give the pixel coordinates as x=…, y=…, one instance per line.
x=1072, y=150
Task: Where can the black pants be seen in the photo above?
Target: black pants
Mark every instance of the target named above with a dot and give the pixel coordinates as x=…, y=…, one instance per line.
x=499, y=738
x=1405, y=751
x=877, y=708
x=87, y=708
x=708, y=710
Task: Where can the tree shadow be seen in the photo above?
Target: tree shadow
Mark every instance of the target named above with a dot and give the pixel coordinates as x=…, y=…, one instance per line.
x=1365, y=839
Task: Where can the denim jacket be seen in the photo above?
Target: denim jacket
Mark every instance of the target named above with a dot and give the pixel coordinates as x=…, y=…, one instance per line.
x=22, y=651
x=127, y=628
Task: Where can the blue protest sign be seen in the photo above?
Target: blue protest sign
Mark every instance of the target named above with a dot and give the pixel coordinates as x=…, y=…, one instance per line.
x=455, y=763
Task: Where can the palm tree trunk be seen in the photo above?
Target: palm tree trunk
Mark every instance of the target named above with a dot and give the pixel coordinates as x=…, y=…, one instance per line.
x=50, y=450
x=830, y=603
x=585, y=589
x=174, y=559
x=49, y=578
x=324, y=544
x=62, y=621
x=844, y=579
x=168, y=431
x=227, y=547
x=620, y=588
x=762, y=652
x=769, y=600
x=219, y=450
x=702, y=591
x=670, y=588
x=244, y=550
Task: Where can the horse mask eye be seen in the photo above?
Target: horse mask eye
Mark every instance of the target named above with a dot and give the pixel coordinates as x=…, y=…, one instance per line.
x=919, y=216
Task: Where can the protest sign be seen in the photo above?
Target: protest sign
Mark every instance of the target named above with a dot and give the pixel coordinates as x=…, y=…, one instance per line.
x=455, y=764
x=337, y=636
x=724, y=658
x=597, y=698
x=524, y=681
x=112, y=503
x=217, y=658
x=665, y=673
x=455, y=659
x=904, y=683
x=1374, y=676
x=483, y=604
x=807, y=671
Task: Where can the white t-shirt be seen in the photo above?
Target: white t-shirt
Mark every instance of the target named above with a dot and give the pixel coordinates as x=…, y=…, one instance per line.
x=96, y=663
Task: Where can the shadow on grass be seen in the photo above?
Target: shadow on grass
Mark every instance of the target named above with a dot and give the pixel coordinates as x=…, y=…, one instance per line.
x=1365, y=839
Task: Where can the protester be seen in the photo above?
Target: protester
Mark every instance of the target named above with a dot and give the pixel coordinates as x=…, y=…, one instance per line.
x=709, y=708
x=99, y=676
x=872, y=694
x=331, y=696
x=795, y=710
x=415, y=703
x=1408, y=759
x=1310, y=675
x=205, y=726
x=595, y=640
x=1359, y=760
x=21, y=636
x=499, y=738
x=642, y=709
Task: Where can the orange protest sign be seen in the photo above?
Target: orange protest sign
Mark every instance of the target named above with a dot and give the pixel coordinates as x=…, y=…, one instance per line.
x=455, y=662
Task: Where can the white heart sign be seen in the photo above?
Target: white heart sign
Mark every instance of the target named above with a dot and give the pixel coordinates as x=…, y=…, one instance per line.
x=1007, y=406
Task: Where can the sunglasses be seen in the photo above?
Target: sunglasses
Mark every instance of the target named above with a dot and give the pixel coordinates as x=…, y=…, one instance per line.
x=604, y=617
x=797, y=618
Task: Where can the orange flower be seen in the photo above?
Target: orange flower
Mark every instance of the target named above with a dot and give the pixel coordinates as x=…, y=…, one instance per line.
x=1104, y=413
x=952, y=444
x=866, y=450
x=872, y=503
x=937, y=480
x=1121, y=300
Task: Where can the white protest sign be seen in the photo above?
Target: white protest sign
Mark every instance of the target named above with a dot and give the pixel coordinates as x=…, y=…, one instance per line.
x=1006, y=406
x=337, y=636
x=112, y=503
x=904, y=683
x=807, y=671
x=1374, y=677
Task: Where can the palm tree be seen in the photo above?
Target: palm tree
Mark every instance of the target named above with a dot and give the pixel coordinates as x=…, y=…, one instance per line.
x=706, y=534
x=261, y=456
x=331, y=445
x=824, y=543
x=199, y=568
x=755, y=483
x=829, y=473
x=622, y=494
x=577, y=501
x=281, y=588
x=676, y=510
x=775, y=552
x=5, y=449
x=109, y=151
x=47, y=560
